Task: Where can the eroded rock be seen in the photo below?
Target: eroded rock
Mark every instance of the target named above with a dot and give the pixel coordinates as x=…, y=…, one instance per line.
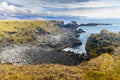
x=104, y=42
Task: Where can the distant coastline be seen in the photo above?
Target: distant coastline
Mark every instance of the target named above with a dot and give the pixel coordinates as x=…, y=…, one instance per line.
x=94, y=24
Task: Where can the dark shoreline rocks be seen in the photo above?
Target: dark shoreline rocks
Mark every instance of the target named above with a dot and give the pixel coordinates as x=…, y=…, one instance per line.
x=22, y=55
x=70, y=26
x=80, y=31
x=94, y=24
x=104, y=42
x=73, y=25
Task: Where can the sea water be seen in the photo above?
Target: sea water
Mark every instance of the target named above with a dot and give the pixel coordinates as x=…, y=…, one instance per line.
x=115, y=27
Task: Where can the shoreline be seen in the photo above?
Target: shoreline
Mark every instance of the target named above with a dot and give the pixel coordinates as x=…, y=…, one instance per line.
x=34, y=40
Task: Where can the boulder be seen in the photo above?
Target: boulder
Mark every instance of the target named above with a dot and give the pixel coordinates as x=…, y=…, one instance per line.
x=80, y=31
x=104, y=42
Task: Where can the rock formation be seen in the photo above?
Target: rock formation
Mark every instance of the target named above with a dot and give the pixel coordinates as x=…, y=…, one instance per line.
x=34, y=42
x=35, y=55
x=104, y=42
x=94, y=24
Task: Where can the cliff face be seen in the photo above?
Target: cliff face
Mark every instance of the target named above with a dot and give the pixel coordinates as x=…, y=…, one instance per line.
x=22, y=40
x=39, y=33
x=101, y=43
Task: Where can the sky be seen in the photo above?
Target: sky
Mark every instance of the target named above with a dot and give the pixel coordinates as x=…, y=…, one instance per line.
x=11, y=9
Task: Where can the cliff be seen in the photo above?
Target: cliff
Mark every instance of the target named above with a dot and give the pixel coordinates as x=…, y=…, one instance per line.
x=21, y=42
x=103, y=42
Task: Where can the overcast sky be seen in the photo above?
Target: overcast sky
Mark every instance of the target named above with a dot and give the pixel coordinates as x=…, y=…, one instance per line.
x=88, y=8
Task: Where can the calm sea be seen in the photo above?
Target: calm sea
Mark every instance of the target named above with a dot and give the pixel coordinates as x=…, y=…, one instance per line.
x=115, y=27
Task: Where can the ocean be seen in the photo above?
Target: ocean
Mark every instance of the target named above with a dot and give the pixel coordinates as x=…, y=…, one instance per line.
x=115, y=27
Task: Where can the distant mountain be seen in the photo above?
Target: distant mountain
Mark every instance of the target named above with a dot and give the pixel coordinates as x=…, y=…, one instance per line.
x=49, y=17
x=66, y=19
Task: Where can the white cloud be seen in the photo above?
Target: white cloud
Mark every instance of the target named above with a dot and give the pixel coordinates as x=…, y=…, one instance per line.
x=10, y=9
x=92, y=4
x=94, y=13
x=89, y=8
x=14, y=10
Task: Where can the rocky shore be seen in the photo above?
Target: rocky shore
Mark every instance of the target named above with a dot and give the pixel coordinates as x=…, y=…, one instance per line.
x=35, y=55
x=104, y=42
x=94, y=24
x=35, y=42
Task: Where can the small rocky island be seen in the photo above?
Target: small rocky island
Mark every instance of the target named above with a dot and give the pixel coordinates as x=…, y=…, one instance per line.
x=35, y=42
x=94, y=24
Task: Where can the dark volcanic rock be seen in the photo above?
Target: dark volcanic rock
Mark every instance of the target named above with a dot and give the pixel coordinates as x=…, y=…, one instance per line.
x=102, y=43
x=93, y=24
x=72, y=25
x=80, y=31
x=63, y=38
x=35, y=55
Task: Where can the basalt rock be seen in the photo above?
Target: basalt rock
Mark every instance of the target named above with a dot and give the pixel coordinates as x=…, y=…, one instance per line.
x=104, y=42
x=94, y=24
x=22, y=55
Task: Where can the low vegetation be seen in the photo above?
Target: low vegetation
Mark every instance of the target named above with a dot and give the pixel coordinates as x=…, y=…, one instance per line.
x=23, y=31
x=104, y=67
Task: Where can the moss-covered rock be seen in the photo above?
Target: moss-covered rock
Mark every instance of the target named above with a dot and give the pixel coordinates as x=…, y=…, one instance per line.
x=103, y=42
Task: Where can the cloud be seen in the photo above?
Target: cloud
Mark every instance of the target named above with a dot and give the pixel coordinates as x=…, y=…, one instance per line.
x=91, y=4
x=46, y=1
x=94, y=13
x=88, y=8
x=65, y=1
x=11, y=9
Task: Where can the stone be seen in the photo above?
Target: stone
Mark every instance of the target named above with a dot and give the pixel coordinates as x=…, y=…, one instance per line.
x=104, y=42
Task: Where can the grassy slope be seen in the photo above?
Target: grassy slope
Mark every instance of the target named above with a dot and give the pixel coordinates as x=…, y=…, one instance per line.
x=23, y=30
x=12, y=25
x=104, y=67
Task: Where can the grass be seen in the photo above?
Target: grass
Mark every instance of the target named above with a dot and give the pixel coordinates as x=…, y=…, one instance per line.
x=13, y=25
x=23, y=31
x=40, y=72
x=103, y=67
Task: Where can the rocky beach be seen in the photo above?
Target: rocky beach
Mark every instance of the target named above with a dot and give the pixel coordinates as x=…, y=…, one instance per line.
x=40, y=42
